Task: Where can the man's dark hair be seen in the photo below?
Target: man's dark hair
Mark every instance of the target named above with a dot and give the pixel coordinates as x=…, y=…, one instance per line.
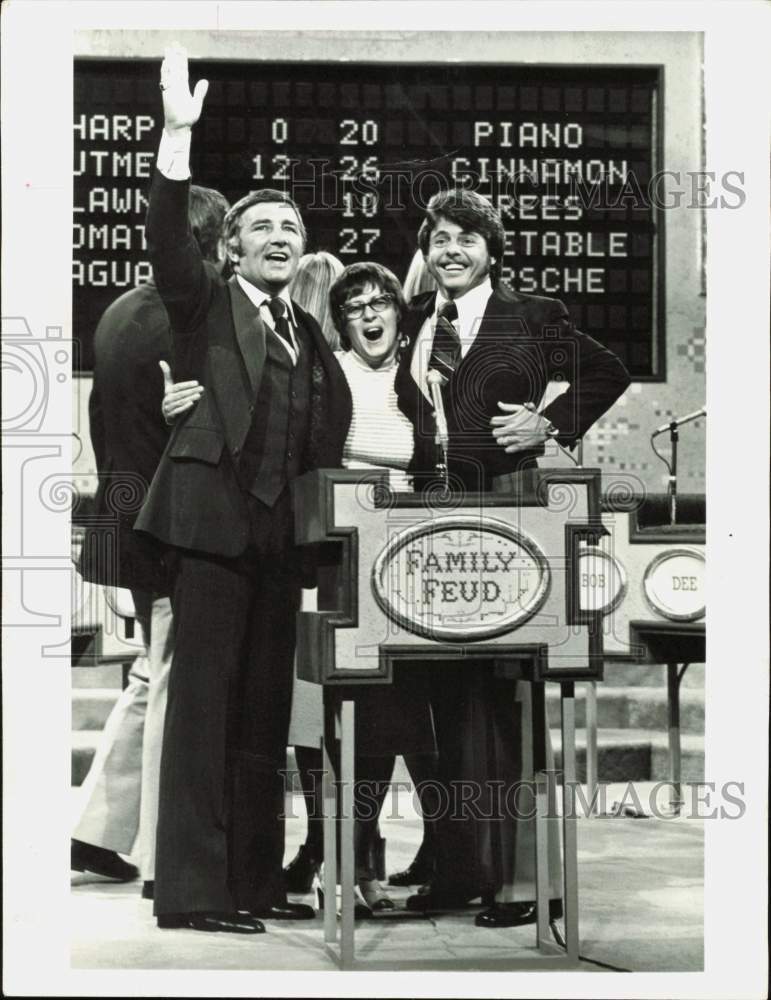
x=206, y=211
x=474, y=214
x=233, y=218
x=353, y=281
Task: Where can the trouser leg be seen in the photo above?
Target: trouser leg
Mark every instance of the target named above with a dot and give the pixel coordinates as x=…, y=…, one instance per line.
x=260, y=712
x=464, y=855
x=211, y=603
x=309, y=766
x=161, y=646
x=373, y=779
x=111, y=791
x=424, y=771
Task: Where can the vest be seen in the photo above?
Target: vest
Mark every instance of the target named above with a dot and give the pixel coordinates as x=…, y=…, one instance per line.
x=274, y=450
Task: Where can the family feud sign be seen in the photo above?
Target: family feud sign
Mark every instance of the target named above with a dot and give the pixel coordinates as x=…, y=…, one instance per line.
x=462, y=577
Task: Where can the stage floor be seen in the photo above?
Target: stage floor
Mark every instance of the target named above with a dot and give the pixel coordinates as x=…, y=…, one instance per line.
x=641, y=909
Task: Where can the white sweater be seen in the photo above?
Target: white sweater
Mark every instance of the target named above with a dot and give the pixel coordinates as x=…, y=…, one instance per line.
x=380, y=435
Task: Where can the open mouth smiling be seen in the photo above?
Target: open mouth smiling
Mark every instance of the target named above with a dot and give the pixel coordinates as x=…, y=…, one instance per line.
x=277, y=257
x=372, y=333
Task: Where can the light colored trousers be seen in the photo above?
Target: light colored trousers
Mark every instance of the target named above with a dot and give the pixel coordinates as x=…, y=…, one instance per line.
x=120, y=793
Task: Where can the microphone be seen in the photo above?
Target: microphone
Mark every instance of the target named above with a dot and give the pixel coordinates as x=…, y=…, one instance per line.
x=682, y=420
x=435, y=382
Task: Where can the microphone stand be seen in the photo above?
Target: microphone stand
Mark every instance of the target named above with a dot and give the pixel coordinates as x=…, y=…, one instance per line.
x=674, y=437
x=435, y=382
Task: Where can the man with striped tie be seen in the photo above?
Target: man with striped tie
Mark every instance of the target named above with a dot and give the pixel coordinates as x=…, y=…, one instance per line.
x=495, y=350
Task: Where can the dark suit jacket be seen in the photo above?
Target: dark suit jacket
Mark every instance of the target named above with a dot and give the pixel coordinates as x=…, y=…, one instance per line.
x=524, y=342
x=128, y=434
x=195, y=501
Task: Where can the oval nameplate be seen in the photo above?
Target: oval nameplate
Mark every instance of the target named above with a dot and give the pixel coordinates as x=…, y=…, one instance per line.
x=601, y=581
x=456, y=578
x=674, y=584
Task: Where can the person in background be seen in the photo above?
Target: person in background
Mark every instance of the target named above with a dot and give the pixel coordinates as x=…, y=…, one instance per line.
x=274, y=405
x=496, y=351
x=128, y=435
x=419, y=279
x=315, y=274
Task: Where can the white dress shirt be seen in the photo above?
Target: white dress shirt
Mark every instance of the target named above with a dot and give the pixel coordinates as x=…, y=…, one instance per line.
x=261, y=299
x=471, y=309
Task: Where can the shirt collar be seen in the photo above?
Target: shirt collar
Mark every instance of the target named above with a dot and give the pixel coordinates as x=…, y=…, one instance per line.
x=259, y=298
x=358, y=362
x=471, y=306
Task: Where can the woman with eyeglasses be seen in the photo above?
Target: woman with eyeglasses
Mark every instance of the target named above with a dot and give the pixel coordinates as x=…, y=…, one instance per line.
x=366, y=305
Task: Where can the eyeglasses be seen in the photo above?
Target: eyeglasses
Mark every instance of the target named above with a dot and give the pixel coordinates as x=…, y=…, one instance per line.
x=378, y=304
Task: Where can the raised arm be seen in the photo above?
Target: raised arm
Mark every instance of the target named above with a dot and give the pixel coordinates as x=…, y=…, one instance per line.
x=182, y=279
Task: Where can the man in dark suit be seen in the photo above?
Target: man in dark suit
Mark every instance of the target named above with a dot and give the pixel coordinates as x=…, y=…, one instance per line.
x=128, y=435
x=275, y=404
x=496, y=351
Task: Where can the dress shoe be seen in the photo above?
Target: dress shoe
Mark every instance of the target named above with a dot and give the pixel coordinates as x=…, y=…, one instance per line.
x=148, y=889
x=360, y=909
x=421, y=870
x=301, y=870
x=374, y=895
x=285, y=911
x=515, y=914
x=435, y=899
x=89, y=858
x=229, y=923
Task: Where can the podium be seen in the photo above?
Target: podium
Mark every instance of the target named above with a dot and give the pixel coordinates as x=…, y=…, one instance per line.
x=441, y=577
x=647, y=578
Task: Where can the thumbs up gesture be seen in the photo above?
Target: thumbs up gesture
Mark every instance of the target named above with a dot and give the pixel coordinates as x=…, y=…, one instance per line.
x=178, y=397
x=181, y=108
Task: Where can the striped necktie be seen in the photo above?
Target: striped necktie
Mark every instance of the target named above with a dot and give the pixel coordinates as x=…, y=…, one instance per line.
x=278, y=312
x=445, y=351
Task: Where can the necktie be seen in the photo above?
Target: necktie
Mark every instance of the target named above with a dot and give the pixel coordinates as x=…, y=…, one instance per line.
x=445, y=352
x=278, y=312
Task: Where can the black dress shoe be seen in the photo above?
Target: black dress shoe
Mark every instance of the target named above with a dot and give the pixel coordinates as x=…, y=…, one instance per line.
x=148, y=889
x=301, y=870
x=229, y=923
x=421, y=870
x=89, y=858
x=285, y=911
x=435, y=899
x=515, y=914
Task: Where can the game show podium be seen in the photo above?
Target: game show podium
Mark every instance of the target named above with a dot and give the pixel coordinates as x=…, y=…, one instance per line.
x=444, y=577
x=646, y=577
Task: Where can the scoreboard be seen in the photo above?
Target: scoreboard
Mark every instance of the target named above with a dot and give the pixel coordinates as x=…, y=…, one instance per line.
x=568, y=155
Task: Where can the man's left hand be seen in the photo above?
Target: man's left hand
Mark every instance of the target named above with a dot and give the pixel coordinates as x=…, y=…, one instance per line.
x=520, y=427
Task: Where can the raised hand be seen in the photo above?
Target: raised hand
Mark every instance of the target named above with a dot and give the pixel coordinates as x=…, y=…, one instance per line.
x=178, y=397
x=181, y=109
